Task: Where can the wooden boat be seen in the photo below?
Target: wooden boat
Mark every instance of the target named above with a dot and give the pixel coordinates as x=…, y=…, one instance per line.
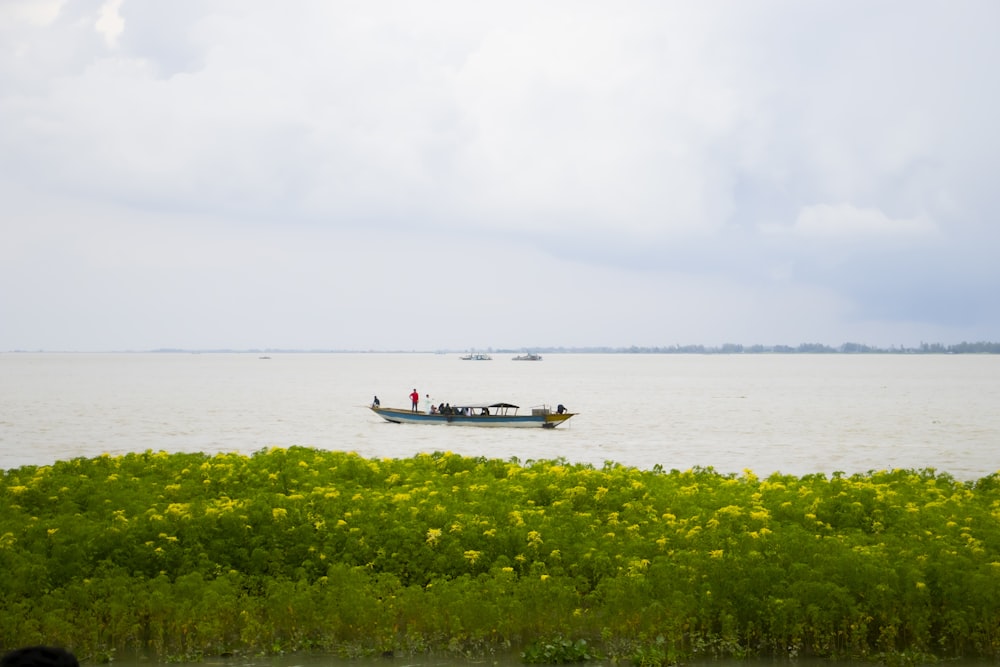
x=492, y=414
x=531, y=356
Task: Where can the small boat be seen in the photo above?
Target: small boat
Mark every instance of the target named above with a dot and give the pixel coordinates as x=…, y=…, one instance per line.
x=528, y=357
x=477, y=356
x=491, y=414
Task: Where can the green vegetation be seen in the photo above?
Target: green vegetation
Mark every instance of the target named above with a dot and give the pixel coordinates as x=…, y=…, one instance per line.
x=186, y=555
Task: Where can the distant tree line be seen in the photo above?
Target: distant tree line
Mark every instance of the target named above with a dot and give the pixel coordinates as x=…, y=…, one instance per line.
x=727, y=348
x=803, y=348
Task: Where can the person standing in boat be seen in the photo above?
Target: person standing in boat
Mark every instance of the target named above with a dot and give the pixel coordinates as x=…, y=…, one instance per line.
x=428, y=405
x=415, y=400
x=376, y=403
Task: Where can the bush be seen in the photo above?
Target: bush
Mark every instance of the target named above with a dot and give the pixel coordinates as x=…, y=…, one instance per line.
x=185, y=555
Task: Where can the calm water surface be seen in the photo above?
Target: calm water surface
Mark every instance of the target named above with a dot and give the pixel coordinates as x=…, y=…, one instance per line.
x=794, y=414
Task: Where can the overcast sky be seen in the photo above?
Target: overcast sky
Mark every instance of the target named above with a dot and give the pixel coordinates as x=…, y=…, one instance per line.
x=452, y=175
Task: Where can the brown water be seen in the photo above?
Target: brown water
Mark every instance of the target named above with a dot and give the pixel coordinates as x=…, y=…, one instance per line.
x=795, y=414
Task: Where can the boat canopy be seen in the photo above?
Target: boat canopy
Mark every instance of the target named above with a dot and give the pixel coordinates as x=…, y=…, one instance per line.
x=485, y=405
x=500, y=408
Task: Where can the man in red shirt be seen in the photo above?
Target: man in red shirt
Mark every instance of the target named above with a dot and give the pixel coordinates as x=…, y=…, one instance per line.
x=415, y=399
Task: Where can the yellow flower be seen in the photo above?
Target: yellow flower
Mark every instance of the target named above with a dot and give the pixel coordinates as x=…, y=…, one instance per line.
x=433, y=535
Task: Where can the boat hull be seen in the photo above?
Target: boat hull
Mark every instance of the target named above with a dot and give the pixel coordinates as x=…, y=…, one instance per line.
x=401, y=416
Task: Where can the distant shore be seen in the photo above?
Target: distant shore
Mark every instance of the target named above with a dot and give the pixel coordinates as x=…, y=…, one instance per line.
x=982, y=347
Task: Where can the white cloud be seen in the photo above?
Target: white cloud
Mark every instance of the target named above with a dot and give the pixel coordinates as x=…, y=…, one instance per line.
x=844, y=221
x=31, y=12
x=110, y=23
x=662, y=164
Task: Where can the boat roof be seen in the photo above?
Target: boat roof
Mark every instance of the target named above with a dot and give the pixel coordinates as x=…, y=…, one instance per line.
x=485, y=405
x=470, y=405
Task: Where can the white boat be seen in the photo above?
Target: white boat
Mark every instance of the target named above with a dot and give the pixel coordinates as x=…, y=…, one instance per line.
x=528, y=357
x=489, y=414
x=477, y=356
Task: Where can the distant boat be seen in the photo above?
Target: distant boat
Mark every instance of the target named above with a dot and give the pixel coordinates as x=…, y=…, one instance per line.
x=477, y=356
x=528, y=357
x=490, y=414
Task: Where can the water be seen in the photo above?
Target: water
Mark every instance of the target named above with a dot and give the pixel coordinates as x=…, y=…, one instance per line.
x=795, y=414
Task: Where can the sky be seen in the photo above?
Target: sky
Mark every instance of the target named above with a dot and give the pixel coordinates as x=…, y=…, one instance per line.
x=328, y=174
